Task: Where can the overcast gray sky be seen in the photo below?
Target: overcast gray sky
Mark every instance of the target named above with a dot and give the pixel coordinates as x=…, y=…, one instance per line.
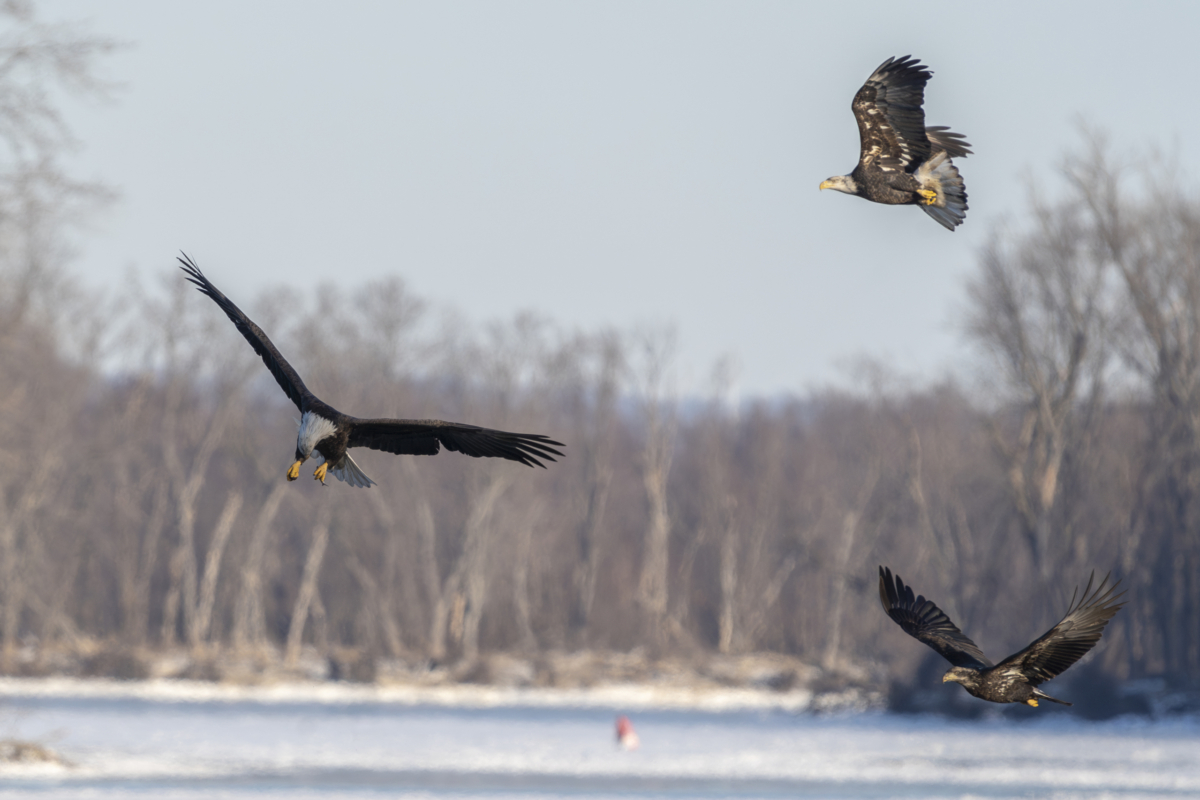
x=606, y=163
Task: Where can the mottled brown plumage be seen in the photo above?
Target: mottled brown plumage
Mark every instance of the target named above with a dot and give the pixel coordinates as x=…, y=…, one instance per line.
x=901, y=161
x=1016, y=678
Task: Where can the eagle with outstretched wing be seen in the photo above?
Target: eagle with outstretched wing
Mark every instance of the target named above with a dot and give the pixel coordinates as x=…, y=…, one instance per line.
x=901, y=161
x=326, y=434
x=1016, y=678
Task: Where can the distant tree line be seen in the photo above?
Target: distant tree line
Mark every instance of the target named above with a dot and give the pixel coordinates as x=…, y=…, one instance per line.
x=143, y=500
x=146, y=504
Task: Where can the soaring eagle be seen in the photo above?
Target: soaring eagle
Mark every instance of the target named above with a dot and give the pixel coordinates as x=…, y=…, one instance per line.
x=902, y=162
x=1016, y=678
x=326, y=433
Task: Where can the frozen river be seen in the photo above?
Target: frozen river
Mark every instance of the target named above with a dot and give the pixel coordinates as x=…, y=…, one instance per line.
x=139, y=747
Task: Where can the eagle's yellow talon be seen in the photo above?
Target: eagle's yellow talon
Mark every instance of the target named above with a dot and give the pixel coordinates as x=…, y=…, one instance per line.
x=293, y=471
x=929, y=195
x=321, y=470
x=1032, y=701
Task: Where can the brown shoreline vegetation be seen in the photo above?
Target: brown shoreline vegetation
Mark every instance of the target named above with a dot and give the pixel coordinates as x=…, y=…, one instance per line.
x=763, y=672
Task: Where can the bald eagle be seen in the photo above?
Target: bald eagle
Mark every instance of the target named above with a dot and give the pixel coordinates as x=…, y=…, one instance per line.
x=1016, y=678
x=326, y=433
x=902, y=162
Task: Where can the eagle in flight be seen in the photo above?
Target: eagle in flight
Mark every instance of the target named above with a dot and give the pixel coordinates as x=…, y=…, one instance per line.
x=902, y=162
x=1016, y=678
x=326, y=434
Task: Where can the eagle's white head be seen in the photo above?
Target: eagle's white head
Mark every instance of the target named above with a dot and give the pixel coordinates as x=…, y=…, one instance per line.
x=313, y=428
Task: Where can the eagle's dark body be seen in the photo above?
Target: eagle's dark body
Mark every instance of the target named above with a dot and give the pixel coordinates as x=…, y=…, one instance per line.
x=1016, y=678
x=902, y=162
x=330, y=433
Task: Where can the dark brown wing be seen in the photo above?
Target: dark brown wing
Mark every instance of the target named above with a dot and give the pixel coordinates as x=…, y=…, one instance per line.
x=924, y=621
x=1066, y=642
x=942, y=138
x=285, y=376
x=891, y=122
x=422, y=437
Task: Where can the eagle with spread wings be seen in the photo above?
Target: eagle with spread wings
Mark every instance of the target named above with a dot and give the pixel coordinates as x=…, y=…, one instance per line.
x=1016, y=678
x=903, y=162
x=326, y=434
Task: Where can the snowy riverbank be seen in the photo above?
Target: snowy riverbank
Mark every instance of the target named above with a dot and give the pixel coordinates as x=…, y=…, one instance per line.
x=622, y=696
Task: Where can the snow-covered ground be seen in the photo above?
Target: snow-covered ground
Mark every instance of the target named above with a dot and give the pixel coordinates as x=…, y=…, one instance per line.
x=628, y=696
x=192, y=740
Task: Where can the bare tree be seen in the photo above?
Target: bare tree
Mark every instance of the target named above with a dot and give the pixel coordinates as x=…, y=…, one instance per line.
x=1151, y=235
x=467, y=586
x=26, y=500
x=212, y=568
x=377, y=605
x=598, y=394
x=656, y=349
x=306, y=597
x=1040, y=311
x=249, y=629
x=852, y=522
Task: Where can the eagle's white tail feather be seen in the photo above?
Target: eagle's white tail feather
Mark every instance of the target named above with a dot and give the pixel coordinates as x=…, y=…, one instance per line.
x=940, y=175
x=350, y=473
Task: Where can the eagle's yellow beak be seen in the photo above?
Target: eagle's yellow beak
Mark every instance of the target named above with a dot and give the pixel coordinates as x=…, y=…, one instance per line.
x=826, y=184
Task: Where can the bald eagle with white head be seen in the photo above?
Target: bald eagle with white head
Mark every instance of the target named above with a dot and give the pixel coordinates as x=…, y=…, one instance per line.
x=901, y=161
x=326, y=434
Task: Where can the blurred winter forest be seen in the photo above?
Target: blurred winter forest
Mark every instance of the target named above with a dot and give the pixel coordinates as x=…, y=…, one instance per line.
x=144, y=506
